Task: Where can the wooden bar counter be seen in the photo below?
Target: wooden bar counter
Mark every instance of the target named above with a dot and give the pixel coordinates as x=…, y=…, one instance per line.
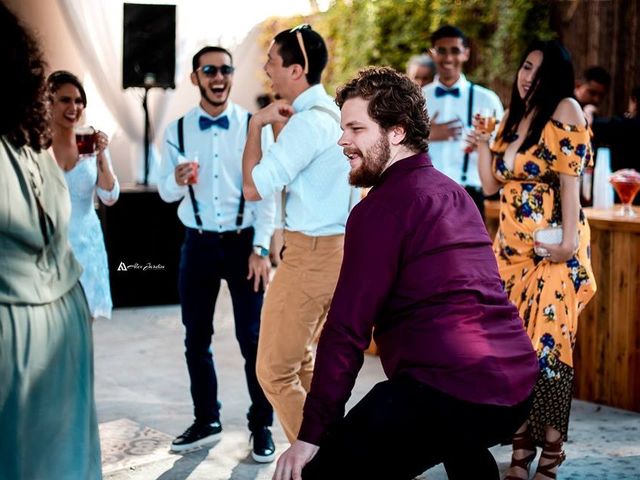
x=607, y=354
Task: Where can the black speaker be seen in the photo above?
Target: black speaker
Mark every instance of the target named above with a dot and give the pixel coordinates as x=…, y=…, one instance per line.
x=149, y=46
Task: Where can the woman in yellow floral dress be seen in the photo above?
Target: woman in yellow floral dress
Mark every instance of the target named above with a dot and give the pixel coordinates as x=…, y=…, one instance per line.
x=542, y=145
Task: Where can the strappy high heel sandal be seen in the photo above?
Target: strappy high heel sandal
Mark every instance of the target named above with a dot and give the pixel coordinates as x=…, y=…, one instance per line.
x=551, y=451
x=522, y=441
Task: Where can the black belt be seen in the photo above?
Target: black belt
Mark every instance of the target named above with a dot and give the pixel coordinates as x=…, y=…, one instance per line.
x=221, y=235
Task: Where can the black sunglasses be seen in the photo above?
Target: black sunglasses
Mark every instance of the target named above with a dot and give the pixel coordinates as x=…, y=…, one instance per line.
x=212, y=70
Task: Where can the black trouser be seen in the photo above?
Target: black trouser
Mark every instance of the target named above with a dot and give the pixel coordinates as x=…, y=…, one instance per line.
x=402, y=428
x=206, y=259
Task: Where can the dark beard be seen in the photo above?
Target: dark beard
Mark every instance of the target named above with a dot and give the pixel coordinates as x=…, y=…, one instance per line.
x=203, y=94
x=373, y=163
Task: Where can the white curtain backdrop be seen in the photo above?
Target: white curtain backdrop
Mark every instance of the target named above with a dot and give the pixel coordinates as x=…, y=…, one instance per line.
x=96, y=27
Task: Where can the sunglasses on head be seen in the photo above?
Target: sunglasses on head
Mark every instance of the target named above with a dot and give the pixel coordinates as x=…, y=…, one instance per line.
x=212, y=70
x=297, y=30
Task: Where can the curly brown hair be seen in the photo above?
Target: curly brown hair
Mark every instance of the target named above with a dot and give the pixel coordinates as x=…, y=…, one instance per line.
x=393, y=100
x=25, y=117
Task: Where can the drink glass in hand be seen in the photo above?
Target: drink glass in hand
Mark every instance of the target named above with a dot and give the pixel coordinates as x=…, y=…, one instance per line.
x=486, y=120
x=194, y=164
x=85, y=140
x=627, y=184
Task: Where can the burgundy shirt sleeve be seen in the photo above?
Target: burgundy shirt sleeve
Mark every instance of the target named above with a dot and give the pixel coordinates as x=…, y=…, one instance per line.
x=372, y=251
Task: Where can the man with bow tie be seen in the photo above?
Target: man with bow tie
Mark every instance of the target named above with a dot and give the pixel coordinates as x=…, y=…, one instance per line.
x=452, y=100
x=225, y=238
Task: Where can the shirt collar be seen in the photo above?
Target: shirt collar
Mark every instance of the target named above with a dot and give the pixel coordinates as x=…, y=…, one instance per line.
x=462, y=83
x=227, y=111
x=418, y=160
x=309, y=97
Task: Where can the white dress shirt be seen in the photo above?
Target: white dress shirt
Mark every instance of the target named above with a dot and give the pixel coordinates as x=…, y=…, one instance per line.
x=448, y=155
x=219, y=187
x=307, y=160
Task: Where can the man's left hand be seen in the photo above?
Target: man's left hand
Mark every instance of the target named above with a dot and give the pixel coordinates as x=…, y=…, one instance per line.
x=292, y=461
x=259, y=268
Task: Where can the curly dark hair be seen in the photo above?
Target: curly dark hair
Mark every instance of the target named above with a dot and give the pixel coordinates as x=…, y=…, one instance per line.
x=393, y=100
x=25, y=117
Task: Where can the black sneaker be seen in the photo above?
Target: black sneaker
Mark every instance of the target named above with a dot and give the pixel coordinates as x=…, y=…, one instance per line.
x=197, y=435
x=264, y=451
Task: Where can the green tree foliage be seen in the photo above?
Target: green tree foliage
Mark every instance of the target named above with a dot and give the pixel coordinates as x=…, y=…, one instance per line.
x=388, y=32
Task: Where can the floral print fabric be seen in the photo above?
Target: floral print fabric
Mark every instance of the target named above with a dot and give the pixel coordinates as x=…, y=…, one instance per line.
x=548, y=295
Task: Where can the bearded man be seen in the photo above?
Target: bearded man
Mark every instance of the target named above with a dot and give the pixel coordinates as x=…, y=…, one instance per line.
x=417, y=265
x=225, y=238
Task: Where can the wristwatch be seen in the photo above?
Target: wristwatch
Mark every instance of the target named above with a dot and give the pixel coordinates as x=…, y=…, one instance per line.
x=260, y=250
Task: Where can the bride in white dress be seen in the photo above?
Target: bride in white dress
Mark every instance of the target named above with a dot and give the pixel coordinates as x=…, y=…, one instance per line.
x=85, y=177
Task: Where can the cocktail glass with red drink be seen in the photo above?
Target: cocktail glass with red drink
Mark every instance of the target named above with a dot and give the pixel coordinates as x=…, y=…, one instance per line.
x=626, y=182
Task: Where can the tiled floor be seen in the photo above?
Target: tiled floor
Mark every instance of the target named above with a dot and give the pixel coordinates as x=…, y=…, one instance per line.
x=143, y=402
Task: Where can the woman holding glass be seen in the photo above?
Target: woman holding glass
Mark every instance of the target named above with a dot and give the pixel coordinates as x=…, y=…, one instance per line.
x=86, y=173
x=541, y=147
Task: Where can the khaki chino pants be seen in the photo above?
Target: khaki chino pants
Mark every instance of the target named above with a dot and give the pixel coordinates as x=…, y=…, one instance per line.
x=295, y=307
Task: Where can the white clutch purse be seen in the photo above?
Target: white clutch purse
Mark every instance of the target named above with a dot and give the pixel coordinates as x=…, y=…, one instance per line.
x=551, y=236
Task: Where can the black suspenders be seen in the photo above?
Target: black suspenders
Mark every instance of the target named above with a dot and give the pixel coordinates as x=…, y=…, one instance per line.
x=465, y=165
x=192, y=195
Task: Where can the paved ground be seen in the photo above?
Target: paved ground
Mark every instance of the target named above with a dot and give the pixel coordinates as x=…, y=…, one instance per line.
x=143, y=402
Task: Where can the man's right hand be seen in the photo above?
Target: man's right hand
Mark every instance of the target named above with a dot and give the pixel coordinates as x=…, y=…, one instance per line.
x=440, y=132
x=182, y=173
x=293, y=460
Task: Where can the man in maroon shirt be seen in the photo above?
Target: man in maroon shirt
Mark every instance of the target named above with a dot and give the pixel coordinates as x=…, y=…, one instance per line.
x=418, y=266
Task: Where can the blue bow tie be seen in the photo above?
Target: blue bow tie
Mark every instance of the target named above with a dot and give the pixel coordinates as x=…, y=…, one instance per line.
x=206, y=123
x=441, y=92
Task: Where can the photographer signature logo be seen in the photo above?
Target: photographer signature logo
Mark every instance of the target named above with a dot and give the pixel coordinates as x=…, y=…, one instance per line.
x=139, y=266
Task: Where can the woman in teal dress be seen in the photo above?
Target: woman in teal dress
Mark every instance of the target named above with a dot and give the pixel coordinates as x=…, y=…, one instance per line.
x=48, y=426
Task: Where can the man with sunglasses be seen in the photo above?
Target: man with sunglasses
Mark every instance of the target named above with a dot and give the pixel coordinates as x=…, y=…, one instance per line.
x=307, y=163
x=452, y=101
x=225, y=238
